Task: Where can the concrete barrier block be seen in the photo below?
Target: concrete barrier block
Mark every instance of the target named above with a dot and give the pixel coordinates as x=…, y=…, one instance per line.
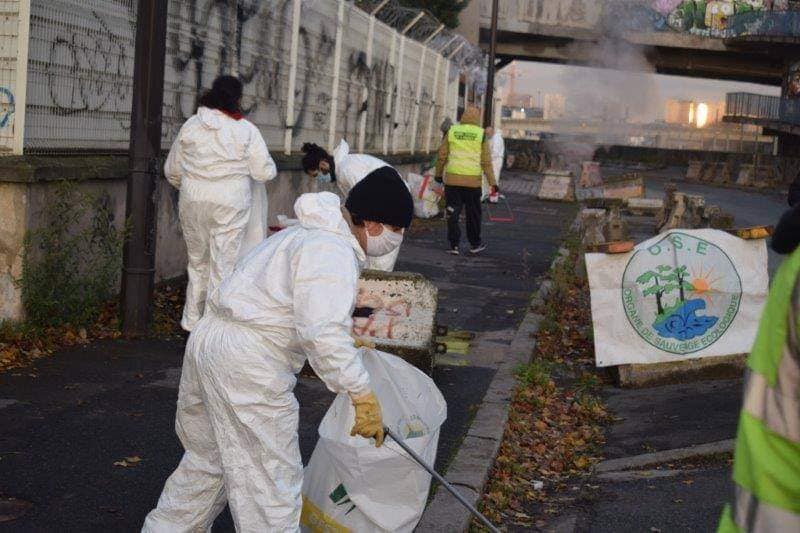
x=590, y=174
x=644, y=206
x=639, y=376
x=693, y=171
x=557, y=186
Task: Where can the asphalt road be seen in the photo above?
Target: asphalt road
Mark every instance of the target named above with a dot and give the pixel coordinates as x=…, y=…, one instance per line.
x=749, y=207
x=66, y=420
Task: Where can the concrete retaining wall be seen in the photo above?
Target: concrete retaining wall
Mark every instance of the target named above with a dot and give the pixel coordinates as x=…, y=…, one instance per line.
x=28, y=186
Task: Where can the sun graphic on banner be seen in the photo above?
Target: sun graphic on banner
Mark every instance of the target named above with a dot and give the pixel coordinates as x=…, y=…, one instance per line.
x=703, y=284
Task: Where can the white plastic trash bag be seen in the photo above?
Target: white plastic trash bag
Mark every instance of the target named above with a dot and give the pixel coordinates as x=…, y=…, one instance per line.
x=426, y=194
x=256, y=229
x=349, y=485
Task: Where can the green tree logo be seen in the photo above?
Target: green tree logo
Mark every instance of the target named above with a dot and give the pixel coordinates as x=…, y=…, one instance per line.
x=665, y=279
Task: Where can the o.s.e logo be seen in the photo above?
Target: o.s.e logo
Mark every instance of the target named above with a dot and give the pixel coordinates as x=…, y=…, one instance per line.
x=681, y=294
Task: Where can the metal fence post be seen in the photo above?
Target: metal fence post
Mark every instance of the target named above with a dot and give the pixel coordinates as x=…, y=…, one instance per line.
x=417, y=103
x=434, y=102
x=295, y=45
x=387, y=122
x=21, y=75
x=362, y=121
x=399, y=75
x=145, y=148
x=337, y=61
x=398, y=84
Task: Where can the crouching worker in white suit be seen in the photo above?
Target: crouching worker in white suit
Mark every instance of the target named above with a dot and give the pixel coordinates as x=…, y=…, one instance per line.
x=290, y=299
x=220, y=162
x=346, y=169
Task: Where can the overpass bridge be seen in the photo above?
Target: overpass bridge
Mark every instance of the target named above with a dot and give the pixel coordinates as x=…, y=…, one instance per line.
x=754, y=46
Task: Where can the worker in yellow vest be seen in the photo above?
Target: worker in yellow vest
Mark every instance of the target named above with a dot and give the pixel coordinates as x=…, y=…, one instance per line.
x=766, y=465
x=465, y=156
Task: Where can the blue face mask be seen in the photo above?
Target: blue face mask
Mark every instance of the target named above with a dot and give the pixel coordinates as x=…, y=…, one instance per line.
x=324, y=178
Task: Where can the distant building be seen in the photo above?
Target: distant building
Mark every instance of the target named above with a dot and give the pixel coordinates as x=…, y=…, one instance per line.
x=679, y=112
x=716, y=110
x=555, y=106
x=519, y=100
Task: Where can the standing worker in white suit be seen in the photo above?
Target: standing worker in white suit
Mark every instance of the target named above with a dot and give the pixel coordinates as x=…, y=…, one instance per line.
x=346, y=169
x=289, y=300
x=220, y=162
x=497, y=147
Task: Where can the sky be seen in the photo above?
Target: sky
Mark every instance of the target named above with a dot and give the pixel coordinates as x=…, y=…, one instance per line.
x=651, y=91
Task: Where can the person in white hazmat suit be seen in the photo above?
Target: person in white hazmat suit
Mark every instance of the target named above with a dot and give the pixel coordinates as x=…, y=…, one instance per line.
x=290, y=299
x=219, y=162
x=345, y=169
x=498, y=150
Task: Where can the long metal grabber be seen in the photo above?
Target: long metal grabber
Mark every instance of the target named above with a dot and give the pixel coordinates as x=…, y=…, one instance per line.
x=441, y=480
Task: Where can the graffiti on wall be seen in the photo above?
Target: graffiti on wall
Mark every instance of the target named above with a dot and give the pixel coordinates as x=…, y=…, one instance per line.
x=6, y=107
x=706, y=17
x=85, y=69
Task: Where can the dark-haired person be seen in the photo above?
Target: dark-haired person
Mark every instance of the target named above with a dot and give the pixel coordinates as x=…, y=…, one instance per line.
x=219, y=162
x=289, y=300
x=345, y=169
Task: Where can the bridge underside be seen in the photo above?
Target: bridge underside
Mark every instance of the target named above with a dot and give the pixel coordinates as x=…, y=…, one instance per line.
x=766, y=66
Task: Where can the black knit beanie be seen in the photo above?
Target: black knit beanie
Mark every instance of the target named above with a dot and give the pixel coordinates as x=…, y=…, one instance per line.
x=382, y=196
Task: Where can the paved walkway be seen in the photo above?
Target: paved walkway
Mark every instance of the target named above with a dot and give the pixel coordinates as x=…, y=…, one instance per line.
x=69, y=418
x=685, y=495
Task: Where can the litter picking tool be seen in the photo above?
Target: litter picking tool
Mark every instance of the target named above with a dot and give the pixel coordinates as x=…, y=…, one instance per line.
x=477, y=514
x=507, y=217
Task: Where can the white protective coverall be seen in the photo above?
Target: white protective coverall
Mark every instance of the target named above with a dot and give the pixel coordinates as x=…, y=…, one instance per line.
x=220, y=165
x=498, y=150
x=350, y=169
x=292, y=297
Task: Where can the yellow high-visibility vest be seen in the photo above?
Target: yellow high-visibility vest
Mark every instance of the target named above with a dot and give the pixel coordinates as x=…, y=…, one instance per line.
x=465, y=144
x=766, y=467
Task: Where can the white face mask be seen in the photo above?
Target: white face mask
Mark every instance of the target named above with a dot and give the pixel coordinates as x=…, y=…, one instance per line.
x=387, y=241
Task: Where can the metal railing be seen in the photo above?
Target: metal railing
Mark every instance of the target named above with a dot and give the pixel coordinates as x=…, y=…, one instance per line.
x=763, y=107
x=373, y=72
x=763, y=24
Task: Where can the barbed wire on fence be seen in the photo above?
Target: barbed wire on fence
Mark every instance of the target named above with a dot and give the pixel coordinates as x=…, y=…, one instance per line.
x=80, y=70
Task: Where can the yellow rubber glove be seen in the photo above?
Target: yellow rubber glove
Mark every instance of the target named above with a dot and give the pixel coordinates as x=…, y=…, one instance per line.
x=363, y=343
x=369, y=423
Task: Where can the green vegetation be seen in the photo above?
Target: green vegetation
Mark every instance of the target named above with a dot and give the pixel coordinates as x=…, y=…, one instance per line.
x=72, y=261
x=447, y=11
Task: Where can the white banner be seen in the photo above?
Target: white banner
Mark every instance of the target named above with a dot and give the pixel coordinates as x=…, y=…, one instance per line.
x=681, y=295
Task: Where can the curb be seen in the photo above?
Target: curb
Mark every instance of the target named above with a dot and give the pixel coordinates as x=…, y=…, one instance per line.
x=677, y=454
x=470, y=468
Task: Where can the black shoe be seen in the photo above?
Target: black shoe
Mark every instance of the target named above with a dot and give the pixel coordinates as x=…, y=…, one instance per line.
x=477, y=249
x=453, y=250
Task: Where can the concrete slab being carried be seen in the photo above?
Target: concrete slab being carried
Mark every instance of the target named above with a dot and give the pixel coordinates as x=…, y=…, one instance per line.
x=396, y=311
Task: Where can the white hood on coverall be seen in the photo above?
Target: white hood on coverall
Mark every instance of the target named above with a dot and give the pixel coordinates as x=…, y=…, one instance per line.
x=220, y=165
x=350, y=169
x=290, y=299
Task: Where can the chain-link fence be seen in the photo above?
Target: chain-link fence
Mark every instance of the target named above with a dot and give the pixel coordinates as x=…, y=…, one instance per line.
x=14, y=24
x=377, y=74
